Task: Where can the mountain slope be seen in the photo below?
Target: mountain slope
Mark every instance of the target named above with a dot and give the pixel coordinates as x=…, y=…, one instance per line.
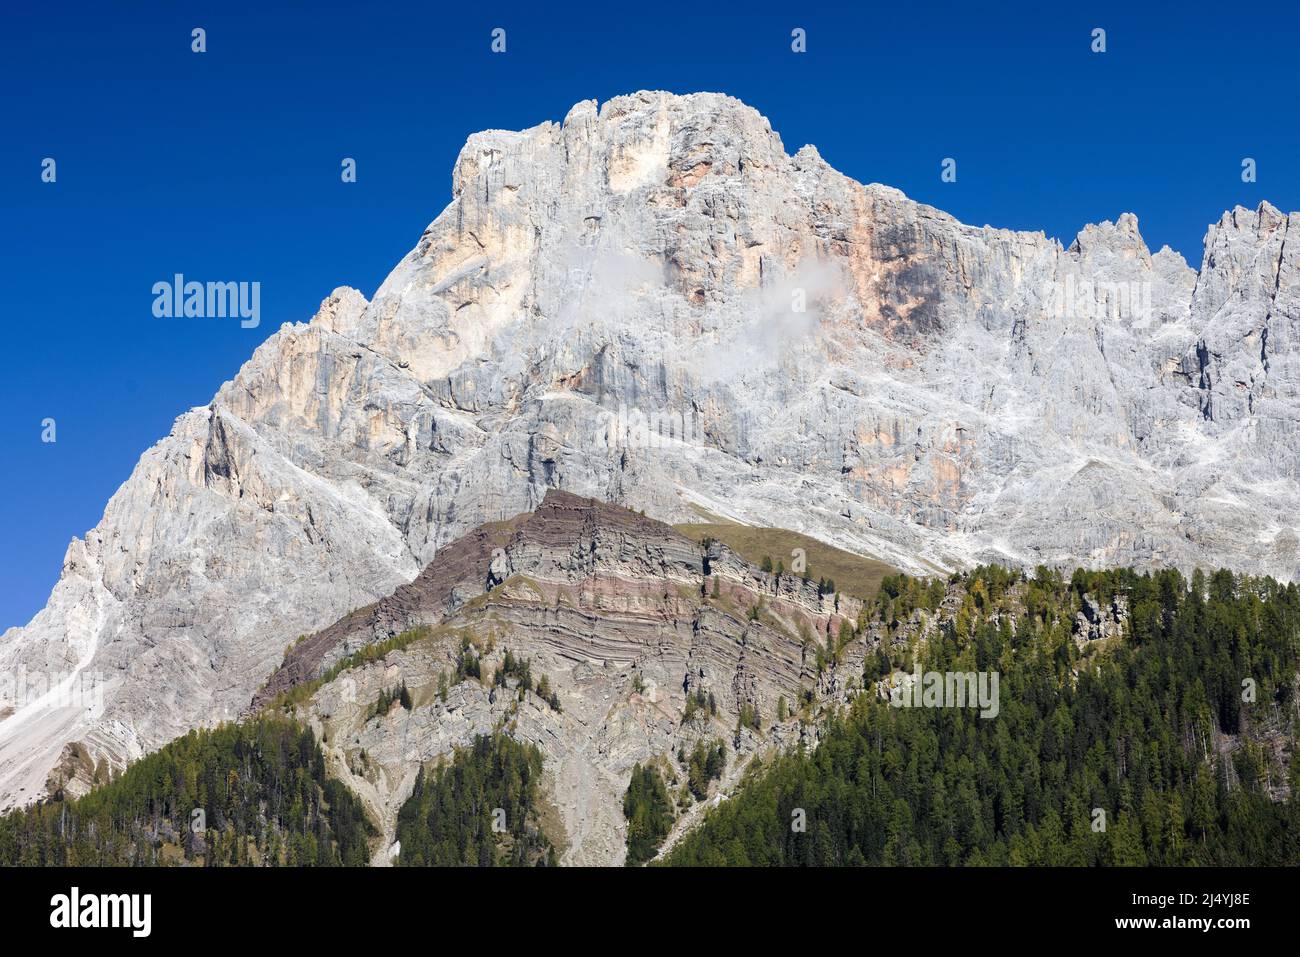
x=654, y=304
x=599, y=636
x=1139, y=748
x=254, y=793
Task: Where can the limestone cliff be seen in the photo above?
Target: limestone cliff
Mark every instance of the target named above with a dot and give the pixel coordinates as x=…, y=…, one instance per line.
x=653, y=303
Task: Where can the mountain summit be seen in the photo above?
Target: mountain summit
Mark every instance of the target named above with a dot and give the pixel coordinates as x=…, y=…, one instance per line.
x=653, y=304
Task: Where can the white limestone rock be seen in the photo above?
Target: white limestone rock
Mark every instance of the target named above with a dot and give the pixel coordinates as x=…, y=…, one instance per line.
x=940, y=400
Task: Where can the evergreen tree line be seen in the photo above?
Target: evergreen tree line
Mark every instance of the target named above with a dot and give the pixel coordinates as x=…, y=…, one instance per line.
x=649, y=812
x=704, y=764
x=697, y=703
x=825, y=586
x=480, y=809
x=1144, y=750
x=260, y=790
x=521, y=670
x=389, y=696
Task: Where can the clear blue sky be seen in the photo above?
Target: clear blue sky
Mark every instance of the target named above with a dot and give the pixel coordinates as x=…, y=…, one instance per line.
x=225, y=165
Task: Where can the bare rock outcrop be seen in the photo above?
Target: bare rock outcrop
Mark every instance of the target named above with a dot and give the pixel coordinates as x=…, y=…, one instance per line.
x=654, y=304
x=616, y=613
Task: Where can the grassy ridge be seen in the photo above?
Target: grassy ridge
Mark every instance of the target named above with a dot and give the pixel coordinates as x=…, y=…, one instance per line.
x=853, y=574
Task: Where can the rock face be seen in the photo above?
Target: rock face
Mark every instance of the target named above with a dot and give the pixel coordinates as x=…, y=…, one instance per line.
x=652, y=303
x=1096, y=621
x=622, y=616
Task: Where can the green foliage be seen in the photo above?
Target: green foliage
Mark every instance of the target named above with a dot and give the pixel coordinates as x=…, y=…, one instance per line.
x=846, y=634
x=372, y=652
x=452, y=817
x=705, y=764
x=899, y=596
x=387, y=698
x=649, y=813
x=691, y=709
x=698, y=702
x=261, y=786
x=521, y=670
x=1133, y=728
x=468, y=663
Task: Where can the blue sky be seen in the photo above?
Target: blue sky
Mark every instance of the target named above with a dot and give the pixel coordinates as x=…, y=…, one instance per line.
x=225, y=165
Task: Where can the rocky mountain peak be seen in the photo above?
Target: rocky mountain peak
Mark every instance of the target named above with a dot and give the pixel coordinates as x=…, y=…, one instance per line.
x=653, y=304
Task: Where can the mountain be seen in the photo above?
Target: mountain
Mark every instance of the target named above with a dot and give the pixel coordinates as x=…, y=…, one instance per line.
x=1123, y=736
x=593, y=687
x=653, y=304
x=599, y=636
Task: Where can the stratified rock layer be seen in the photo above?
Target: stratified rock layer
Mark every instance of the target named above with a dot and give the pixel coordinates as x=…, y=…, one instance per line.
x=621, y=616
x=653, y=304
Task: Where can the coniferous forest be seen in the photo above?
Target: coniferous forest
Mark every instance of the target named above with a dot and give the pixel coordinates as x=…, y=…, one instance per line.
x=483, y=808
x=1166, y=739
x=254, y=793
x=649, y=812
x=1169, y=745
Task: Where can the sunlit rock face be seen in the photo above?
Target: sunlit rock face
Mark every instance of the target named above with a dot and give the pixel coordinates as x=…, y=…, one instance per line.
x=624, y=617
x=652, y=303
